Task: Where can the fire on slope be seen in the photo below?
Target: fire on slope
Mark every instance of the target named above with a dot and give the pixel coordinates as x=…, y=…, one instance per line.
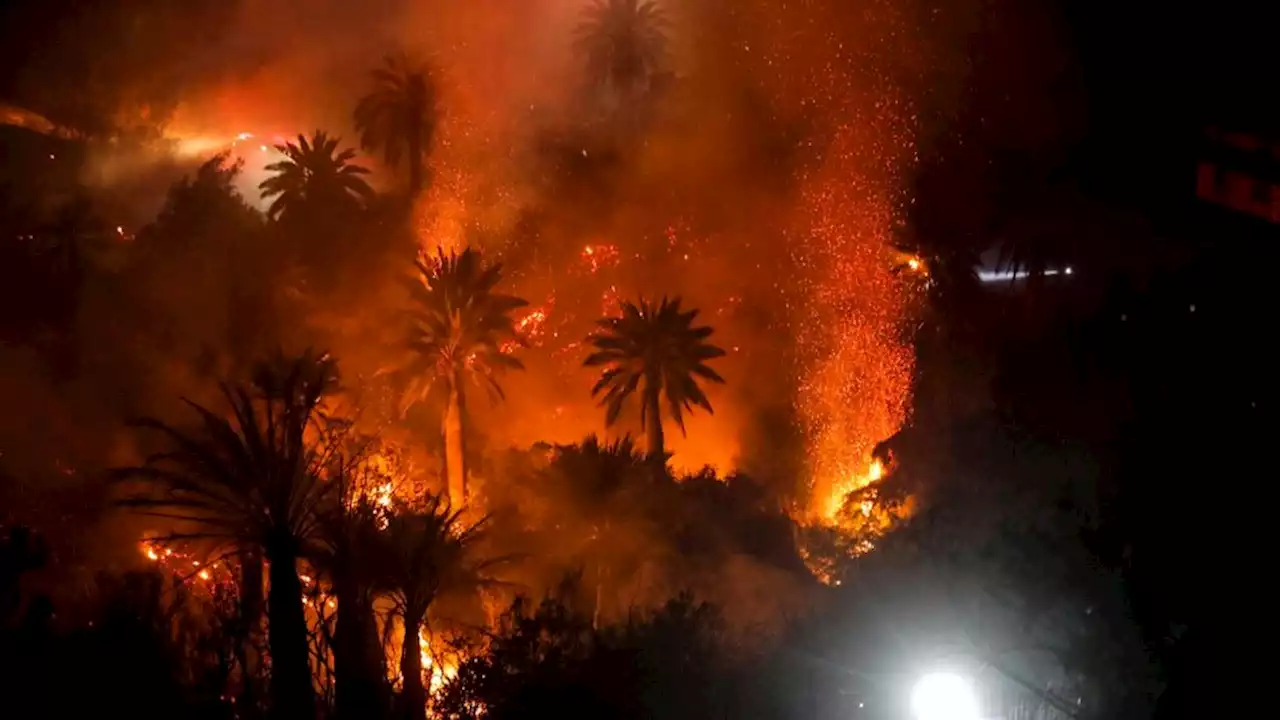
x=185, y=566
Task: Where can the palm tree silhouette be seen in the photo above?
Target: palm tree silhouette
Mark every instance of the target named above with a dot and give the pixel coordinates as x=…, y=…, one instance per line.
x=426, y=554
x=314, y=175
x=399, y=115
x=349, y=538
x=247, y=483
x=460, y=329
x=622, y=42
x=657, y=345
x=600, y=475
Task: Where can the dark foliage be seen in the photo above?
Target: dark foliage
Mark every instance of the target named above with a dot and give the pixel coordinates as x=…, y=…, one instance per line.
x=547, y=660
x=399, y=117
x=146, y=648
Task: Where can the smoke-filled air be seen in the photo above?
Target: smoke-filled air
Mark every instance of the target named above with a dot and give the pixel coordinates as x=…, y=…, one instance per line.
x=611, y=289
x=749, y=159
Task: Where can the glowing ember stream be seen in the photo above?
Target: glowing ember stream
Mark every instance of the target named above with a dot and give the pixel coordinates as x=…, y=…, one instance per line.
x=184, y=566
x=856, y=376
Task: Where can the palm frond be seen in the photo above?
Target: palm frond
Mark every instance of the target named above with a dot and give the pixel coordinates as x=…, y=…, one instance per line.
x=314, y=175
x=656, y=343
x=248, y=475
x=458, y=325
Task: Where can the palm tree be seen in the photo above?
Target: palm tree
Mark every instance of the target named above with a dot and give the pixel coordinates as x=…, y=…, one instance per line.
x=350, y=536
x=622, y=41
x=399, y=116
x=427, y=554
x=460, y=329
x=247, y=483
x=314, y=175
x=659, y=345
x=600, y=475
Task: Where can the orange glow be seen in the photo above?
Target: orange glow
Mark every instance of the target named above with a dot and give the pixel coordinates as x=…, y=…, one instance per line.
x=841, y=490
x=382, y=495
x=438, y=670
x=832, y=269
x=181, y=565
x=600, y=256
x=532, y=325
x=855, y=385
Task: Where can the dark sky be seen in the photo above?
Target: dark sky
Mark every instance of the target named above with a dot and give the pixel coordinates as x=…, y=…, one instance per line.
x=1153, y=73
x=1136, y=53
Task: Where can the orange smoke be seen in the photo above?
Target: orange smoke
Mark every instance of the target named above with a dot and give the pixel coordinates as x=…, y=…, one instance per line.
x=505, y=75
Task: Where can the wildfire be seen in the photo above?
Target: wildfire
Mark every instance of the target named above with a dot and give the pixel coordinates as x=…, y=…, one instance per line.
x=856, y=365
x=531, y=326
x=387, y=479
x=383, y=495
x=438, y=673
x=841, y=490
x=610, y=301
x=600, y=255
x=182, y=565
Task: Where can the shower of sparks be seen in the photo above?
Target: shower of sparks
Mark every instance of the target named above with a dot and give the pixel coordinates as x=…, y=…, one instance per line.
x=532, y=326
x=849, y=311
x=856, y=367
x=610, y=301
x=601, y=255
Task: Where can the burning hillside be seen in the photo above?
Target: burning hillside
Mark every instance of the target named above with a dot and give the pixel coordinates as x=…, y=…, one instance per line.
x=757, y=174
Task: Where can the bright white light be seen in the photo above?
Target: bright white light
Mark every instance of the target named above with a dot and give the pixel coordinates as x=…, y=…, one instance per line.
x=943, y=696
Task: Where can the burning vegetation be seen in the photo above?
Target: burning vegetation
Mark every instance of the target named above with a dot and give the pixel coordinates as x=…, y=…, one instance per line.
x=679, y=225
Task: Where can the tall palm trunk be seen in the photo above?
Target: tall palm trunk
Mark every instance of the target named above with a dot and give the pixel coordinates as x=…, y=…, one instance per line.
x=455, y=450
x=356, y=671
x=251, y=601
x=595, y=613
x=414, y=142
x=656, y=450
x=292, y=694
x=414, y=695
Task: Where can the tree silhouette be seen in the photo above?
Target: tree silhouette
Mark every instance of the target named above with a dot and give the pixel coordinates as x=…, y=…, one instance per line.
x=657, y=345
x=249, y=482
x=599, y=476
x=622, y=42
x=21, y=551
x=545, y=659
x=399, y=115
x=460, y=329
x=425, y=555
x=349, y=540
x=314, y=176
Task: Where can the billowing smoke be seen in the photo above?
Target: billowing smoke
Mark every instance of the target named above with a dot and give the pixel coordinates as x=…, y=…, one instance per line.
x=761, y=176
